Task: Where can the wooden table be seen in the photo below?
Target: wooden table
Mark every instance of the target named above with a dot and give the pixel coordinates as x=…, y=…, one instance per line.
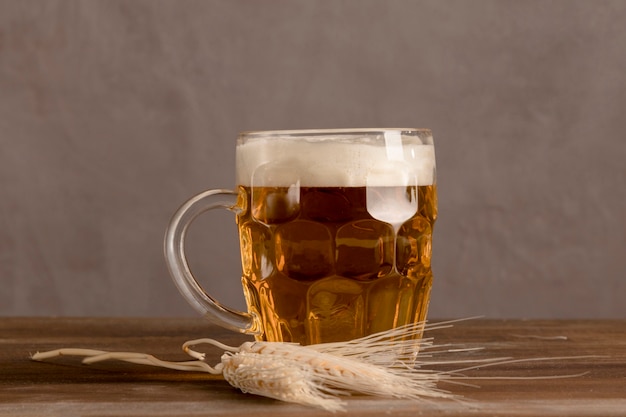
x=65, y=387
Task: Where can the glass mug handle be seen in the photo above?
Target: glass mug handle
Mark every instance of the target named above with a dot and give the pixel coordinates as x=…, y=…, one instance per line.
x=174, y=248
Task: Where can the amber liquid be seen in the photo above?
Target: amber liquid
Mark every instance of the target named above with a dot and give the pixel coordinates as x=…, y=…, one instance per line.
x=331, y=264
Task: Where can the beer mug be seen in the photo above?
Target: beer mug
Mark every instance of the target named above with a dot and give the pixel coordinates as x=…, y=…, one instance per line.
x=335, y=231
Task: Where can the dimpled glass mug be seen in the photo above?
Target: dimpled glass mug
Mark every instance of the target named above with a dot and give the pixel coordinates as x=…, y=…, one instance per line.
x=335, y=229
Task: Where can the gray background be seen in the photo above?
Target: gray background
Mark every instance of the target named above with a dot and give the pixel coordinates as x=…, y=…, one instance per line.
x=112, y=113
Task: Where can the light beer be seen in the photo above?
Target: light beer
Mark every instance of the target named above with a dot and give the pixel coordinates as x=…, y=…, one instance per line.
x=335, y=237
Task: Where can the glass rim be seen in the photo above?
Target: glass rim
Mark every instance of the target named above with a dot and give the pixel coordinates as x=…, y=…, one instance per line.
x=341, y=131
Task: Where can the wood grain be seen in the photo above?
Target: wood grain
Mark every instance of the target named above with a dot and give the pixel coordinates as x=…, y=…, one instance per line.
x=65, y=387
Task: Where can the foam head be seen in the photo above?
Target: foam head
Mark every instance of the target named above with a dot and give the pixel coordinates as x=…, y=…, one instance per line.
x=337, y=158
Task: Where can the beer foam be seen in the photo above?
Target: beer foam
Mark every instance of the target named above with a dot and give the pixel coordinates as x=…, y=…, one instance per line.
x=310, y=162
